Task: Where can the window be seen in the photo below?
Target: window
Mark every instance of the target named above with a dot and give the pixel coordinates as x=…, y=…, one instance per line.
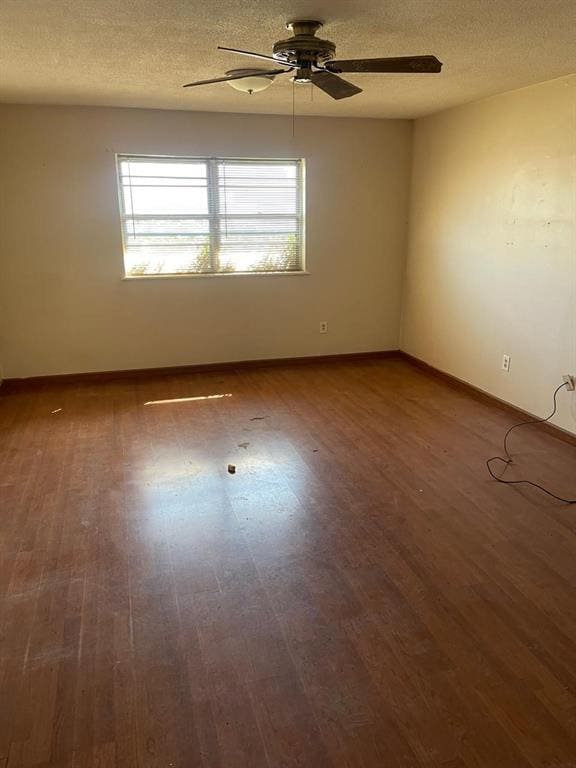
x=190, y=215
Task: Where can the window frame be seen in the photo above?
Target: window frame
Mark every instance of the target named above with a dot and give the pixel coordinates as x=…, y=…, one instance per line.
x=301, y=165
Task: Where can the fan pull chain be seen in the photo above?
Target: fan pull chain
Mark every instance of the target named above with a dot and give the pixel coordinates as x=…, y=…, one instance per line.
x=293, y=109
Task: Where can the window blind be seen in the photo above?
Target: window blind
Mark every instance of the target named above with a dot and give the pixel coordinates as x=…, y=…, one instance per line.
x=210, y=215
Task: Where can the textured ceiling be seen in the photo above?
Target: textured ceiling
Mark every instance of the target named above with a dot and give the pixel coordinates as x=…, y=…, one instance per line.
x=137, y=53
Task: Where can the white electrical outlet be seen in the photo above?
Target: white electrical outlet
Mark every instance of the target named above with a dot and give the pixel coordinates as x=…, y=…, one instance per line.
x=506, y=363
x=570, y=382
x=324, y=326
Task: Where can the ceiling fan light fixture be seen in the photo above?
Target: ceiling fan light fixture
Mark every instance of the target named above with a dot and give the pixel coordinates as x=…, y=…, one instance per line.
x=258, y=82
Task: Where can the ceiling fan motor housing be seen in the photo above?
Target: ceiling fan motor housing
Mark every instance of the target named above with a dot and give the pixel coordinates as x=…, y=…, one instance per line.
x=304, y=49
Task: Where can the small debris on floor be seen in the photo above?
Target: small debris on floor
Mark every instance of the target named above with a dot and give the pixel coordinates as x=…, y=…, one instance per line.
x=243, y=445
x=232, y=469
x=314, y=450
x=258, y=418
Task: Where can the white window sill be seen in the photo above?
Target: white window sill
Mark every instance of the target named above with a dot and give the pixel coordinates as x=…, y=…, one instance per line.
x=300, y=273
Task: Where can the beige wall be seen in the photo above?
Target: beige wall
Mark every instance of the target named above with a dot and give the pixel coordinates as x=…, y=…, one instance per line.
x=64, y=307
x=491, y=267
x=492, y=255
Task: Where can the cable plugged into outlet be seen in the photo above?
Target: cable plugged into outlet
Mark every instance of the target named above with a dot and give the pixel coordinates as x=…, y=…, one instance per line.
x=506, y=459
x=569, y=381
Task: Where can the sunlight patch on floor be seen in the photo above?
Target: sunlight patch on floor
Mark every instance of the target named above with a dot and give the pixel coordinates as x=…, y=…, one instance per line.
x=187, y=399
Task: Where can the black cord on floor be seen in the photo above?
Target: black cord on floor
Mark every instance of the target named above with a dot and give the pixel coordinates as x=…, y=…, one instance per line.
x=508, y=459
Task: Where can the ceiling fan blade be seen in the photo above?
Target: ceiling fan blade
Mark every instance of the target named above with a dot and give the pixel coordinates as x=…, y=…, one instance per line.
x=407, y=64
x=271, y=73
x=334, y=86
x=255, y=56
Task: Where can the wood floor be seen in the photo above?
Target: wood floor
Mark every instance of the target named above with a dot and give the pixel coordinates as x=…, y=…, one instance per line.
x=358, y=594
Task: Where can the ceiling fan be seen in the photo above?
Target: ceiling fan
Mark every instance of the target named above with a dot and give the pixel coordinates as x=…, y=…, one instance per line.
x=311, y=60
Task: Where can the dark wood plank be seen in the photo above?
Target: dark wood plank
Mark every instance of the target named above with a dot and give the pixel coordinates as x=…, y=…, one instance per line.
x=359, y=594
